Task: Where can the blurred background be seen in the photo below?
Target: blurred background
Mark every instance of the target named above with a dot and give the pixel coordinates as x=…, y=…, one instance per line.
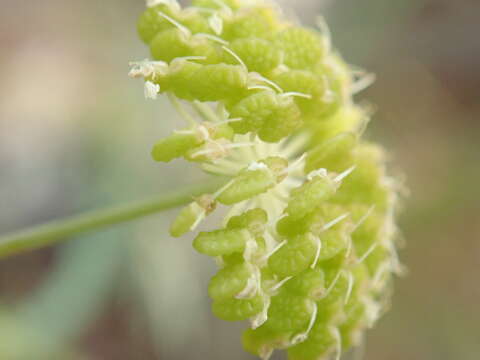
x=76, y=132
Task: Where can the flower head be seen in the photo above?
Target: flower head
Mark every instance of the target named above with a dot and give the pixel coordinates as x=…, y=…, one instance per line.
x=306, y=250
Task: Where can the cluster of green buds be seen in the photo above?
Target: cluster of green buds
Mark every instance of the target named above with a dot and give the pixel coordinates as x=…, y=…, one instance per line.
x=306, y=250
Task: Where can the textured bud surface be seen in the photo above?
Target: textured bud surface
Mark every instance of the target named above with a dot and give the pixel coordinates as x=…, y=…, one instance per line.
x=307, y=248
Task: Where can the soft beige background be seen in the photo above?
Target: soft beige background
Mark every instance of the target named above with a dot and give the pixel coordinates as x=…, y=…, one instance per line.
x=75, y=133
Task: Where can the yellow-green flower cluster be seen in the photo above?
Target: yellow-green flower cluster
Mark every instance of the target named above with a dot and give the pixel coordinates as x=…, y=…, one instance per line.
x=306, y=251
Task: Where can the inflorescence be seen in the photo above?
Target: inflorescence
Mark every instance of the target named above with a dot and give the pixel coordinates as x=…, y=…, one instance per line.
x=306, y=251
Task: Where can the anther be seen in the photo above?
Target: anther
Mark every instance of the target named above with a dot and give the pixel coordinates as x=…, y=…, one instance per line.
x=151, y=90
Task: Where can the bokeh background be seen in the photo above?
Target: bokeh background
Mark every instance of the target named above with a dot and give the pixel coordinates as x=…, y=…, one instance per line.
x=75, y=133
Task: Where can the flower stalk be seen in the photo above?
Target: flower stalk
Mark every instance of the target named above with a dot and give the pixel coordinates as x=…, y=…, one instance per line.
x=59, y=230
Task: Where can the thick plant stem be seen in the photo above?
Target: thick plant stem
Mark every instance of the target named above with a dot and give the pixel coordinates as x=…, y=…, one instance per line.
x=55, y=231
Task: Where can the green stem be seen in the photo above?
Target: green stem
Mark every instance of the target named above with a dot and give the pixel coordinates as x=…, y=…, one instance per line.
x=57, y=230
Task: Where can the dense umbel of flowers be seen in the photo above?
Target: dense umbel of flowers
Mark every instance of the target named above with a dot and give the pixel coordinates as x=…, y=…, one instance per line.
x=306, y=250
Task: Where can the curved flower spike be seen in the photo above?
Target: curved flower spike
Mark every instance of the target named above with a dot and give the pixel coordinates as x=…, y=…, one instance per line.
x=307, y=248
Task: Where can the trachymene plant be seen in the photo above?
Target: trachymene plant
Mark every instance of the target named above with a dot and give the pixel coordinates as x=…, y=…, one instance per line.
x=306, y=250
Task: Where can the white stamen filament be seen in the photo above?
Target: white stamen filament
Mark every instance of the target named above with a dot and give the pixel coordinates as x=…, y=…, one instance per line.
x=367, y=253
x=296, y=164
x=275, y=249
x=223, y=188
x=235, y=56
x=212, y=37
x=251, y=247
x=299, y=338
x=362, y=83
x=257, y=77
x=325, y=30
x=260, y=318
x=334, y=221
x=338, y=338
x=294, y=146
x=252, y=286
x=278, y=285
x=344, y=174
x=198, y=220
x=377, y=278
x=317, y=253
x=175, y=23
x=216, y=23
x=332, y=285
x=258, y=87
x=363, y=218
x=205, y=111
x=221, y=148
x=349, y=247
x=297, y=94
x=351, y=281
x=181, y=110
x=228, y=121
x=189, y=58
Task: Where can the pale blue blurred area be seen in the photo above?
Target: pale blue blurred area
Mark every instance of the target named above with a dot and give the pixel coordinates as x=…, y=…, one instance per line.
x=76, y=133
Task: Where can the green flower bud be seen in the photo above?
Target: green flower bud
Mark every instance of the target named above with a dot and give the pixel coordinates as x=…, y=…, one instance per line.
x=230, y=281
x=314, y=86
x=237, y=309
x=310, y=284
x=303, y=48
x=170, y=44
x=254, y=22
x=263, y=341
x=320, y=343
x=174, y=146
x=254, y=220
x=151, y=22
x=257, y=54
x=289, y=313
x=307, y=197
x=219, y=81
x=273, y=116
x=334, y=154
x=295, y=256
x=191, y=215
x=221, y=242
x=254, y=180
